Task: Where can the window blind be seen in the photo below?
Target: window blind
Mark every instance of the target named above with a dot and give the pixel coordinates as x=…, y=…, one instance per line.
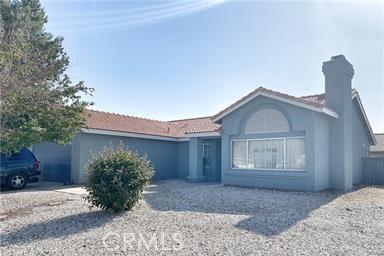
x=266, y=120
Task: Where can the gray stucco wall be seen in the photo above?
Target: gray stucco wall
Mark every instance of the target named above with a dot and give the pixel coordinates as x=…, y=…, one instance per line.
x=321, y=148
x=163, y=154
x=303, y=123
x=55, y=161
x=218, y=160
x=183, y=160
x=75, y=159
x=195, y=160
x=360, y=137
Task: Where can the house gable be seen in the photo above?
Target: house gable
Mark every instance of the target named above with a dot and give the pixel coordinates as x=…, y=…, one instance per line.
x=292, y=122
x=297, y=118
x=299, y=102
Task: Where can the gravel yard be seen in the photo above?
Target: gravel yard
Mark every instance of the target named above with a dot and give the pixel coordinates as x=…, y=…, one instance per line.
x=179, y=218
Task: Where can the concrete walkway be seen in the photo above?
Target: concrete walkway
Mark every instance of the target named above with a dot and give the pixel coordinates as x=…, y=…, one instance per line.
x=73, y=190
x=57, y=187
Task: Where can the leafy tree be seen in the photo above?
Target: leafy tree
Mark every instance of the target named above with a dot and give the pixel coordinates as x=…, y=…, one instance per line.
x=38, y=101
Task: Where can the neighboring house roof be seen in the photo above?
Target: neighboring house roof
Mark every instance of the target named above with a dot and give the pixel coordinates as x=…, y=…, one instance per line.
x=379, y=147
x=177, y=129
x=312, y=102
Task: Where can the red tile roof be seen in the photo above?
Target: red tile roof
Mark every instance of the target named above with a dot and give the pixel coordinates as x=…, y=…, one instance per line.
x=122, y=123
x=318, y=98
x=197, y=125
x=174, y=129
x=180, y=128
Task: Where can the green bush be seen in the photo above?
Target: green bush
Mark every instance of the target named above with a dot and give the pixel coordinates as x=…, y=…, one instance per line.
x=116, y=178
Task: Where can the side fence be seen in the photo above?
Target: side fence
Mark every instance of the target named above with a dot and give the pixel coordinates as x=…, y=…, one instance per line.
x=55, y=161
x=373, y=170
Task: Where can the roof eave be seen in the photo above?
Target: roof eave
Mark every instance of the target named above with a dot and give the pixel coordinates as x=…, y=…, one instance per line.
x=203, y=134
x=356, y=95
x=128, y=134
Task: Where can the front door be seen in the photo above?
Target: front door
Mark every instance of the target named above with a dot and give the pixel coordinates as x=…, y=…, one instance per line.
x=207, y=161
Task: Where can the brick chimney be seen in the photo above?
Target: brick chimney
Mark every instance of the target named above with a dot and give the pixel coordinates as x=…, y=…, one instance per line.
x=338, y=74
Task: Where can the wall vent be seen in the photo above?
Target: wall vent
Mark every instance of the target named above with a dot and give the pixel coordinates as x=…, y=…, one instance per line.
x=266, y=120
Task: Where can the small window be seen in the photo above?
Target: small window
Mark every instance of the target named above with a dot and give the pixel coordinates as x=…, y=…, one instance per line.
x=266, y=120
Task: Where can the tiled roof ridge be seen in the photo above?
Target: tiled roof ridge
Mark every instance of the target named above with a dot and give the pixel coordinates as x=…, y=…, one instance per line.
x=188, y=119
x=354, y=91
x=130, y=116
x=287, y=96
x=313, y=95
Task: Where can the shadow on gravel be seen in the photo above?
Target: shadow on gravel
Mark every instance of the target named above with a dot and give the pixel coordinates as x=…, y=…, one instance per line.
x=57, y=228
x=270, y=212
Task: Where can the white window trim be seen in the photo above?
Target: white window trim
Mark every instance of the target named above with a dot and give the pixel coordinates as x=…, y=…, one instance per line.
x=265, y=169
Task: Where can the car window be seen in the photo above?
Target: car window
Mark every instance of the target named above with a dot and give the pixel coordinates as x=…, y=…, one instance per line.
x=15, y=156
x=24, y=154
x=3, y=158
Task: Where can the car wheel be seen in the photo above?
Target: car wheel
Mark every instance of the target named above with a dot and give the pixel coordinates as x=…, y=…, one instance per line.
x=17, y=181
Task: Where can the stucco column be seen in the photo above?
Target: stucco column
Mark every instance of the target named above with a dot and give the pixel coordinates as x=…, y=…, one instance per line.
x=75, y=160
x=195, y=163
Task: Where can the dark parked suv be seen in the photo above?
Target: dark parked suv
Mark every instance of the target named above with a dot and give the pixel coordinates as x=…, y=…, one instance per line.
x=18, y=169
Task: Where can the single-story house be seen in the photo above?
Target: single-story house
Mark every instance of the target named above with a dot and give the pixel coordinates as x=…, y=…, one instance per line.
x=378, y=149
x=266, y=139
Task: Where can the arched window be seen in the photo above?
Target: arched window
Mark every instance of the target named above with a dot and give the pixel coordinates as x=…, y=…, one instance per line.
x=266, y=120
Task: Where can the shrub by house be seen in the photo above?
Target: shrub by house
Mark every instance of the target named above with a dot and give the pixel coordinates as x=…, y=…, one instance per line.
x=116, y=178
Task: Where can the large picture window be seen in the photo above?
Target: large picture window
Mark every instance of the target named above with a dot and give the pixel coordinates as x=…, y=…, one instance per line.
x=281, y=154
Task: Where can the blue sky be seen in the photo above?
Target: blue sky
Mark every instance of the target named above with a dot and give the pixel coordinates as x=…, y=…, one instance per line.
x=172, y=60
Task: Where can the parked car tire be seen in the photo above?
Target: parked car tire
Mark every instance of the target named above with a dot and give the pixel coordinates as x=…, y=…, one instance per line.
x=17, y=180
